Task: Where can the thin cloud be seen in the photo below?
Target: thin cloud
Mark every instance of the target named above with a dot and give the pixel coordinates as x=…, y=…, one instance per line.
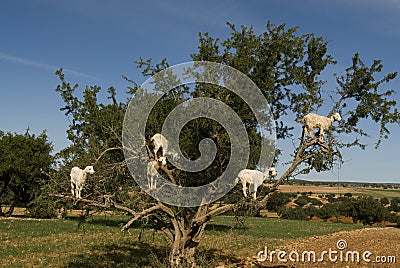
x=41, y=65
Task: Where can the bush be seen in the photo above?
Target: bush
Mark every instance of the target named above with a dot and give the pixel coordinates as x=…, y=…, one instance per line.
x=310, y=211
x=294, y=214
x=314, y=201
x=331, y=198
x=368, y=211
x=277, y=201
x=394, y=204
x=42, y=208
x=301, y=201
x=385, y=201
x=328, y=211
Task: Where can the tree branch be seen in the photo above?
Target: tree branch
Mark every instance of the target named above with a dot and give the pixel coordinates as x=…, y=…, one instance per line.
x=107, y=150
x=218, y=211
x=139, y=215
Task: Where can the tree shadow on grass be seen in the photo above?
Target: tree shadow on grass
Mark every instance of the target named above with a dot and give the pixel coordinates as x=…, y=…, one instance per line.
x=104, y=221
x=226, y=228
x=135, y=254
x=140, y=254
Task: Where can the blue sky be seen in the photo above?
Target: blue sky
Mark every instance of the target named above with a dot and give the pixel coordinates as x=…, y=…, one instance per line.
x=98, y=41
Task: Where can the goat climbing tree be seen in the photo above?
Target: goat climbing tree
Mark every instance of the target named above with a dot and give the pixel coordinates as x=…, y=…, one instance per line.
x=286, y=66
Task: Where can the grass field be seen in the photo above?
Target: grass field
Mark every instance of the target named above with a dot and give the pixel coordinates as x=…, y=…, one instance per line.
x=99, y=242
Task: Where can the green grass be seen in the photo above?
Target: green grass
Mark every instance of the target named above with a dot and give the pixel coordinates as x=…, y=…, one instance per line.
x=99, y=242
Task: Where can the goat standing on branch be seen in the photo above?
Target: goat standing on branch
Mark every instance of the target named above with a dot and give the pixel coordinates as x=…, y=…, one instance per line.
x=323, y=123
x=254, y=178
x=78, y=178
x=159, y=141
x=152, y=172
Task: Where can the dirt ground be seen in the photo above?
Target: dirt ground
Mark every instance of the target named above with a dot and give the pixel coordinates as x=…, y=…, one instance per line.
x=315, y=189
x=375, y=247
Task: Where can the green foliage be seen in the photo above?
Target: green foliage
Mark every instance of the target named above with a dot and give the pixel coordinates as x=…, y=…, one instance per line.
x=314, y=202
x=277, y=201
x=331, y=198
x=325, y=212
x=360, y=84
x=310, y=211
x=25, y=161
x=368, y=211
x=394, y=204
x=301, y=201
x=297, y=213
x=385, y=201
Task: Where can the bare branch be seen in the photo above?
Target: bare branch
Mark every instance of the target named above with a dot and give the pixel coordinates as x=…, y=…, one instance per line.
x=95, y=203
x=139, y=215
x=107, y=150
x=218, y=211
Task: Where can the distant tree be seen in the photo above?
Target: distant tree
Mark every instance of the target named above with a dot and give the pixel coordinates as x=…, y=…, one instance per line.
x=331, y=198
x=385, y=201
x=301, y=201
x=310, y=211
x=324, y=212
x=297, y=213
x=368, y=211
x=277, y=201
x=314, y=201
x=394, y=204
x=348, y=194
x=25, y=161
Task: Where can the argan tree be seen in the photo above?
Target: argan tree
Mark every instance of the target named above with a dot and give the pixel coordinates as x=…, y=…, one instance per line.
x=25, y=160
x=286, y=66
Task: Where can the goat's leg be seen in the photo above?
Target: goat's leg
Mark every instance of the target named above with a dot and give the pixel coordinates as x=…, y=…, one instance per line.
x=255, y=194
x=156, y=148
x=309, y=132
x=244, y=189
x=79, y=189
x=321, y=136
x=73, y=188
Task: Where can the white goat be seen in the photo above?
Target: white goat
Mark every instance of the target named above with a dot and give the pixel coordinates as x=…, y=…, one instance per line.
x=159, y=141
x=152, y=172
x=312, y=121
x=78, y=178
x=254, y=178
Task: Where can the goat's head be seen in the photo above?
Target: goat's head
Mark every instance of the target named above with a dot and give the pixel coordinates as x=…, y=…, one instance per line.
x=337, y=117
x=272, y=172
x=89, y=170
x=162, y=161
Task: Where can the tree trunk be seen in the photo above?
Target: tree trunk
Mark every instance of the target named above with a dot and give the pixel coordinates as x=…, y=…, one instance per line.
x=2, y=192
x=182, y=253
x=11, y=209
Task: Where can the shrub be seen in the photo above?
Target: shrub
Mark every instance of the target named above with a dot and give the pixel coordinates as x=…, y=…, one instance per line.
x=294, y=214
x=314, y=201
x=385, y=201
x=277, y=201
x=301, y=201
